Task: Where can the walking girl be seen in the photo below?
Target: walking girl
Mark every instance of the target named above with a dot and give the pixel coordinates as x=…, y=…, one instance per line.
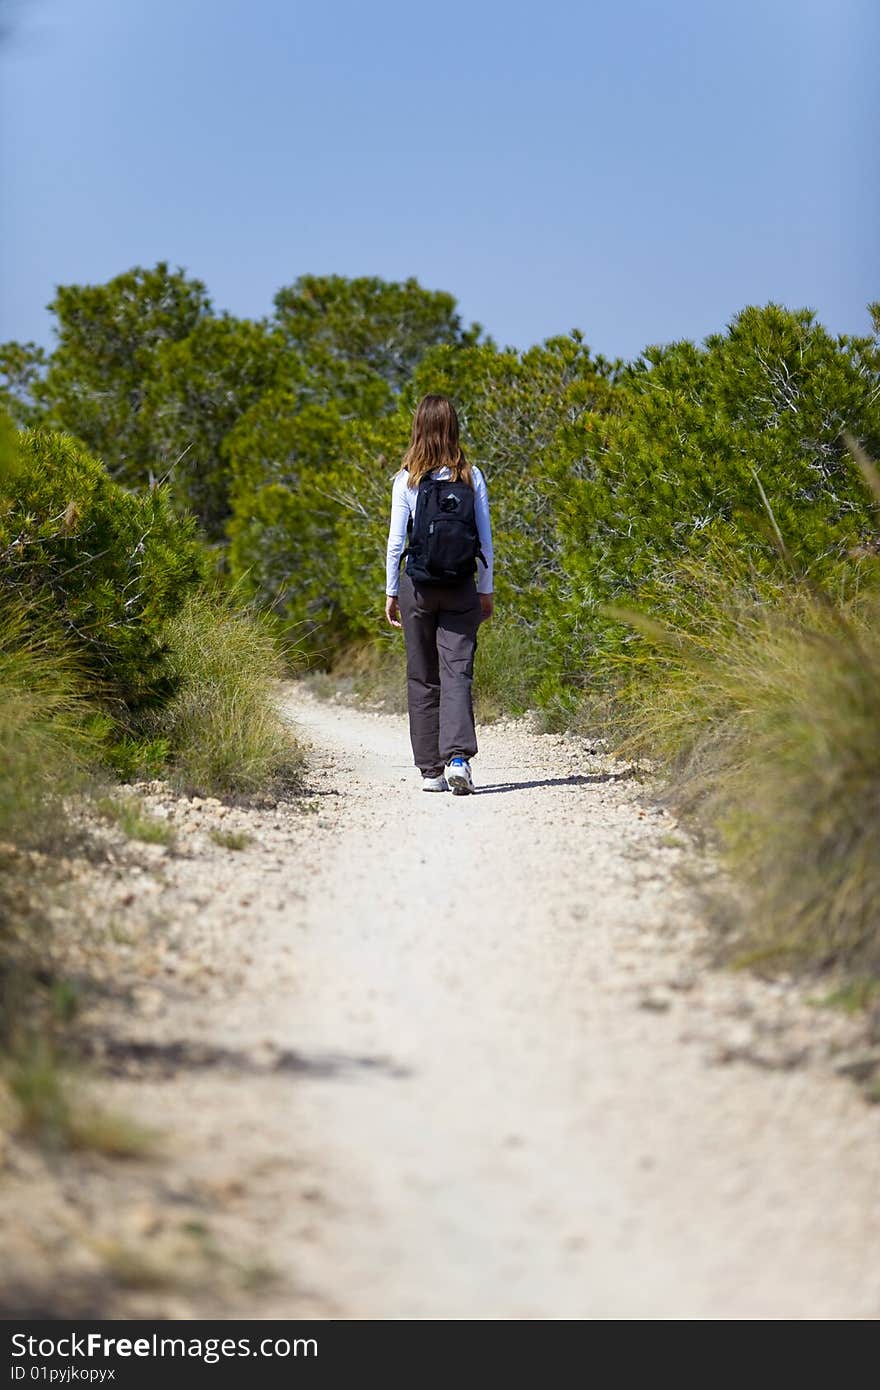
x=440, y=504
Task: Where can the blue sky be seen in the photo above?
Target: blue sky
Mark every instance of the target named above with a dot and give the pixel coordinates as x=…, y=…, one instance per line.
x=635, y=169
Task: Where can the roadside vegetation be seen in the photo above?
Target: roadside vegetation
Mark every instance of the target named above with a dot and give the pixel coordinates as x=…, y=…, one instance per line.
x=762, y=705
x=120, y=657
x=191, y=503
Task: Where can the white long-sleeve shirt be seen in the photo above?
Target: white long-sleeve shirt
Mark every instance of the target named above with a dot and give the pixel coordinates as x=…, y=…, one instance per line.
x=403, y=506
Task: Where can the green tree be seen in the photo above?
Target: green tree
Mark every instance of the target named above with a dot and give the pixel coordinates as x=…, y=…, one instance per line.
x=370, y=325
x=109, y=338
x=676, y=466
x=285, y=529
x=307, y=507
x=510, y=406
x=312, y=483
x=22, y=366
x=199, y=388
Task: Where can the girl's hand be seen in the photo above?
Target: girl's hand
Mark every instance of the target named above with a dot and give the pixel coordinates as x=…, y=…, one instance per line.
x=392, y=611
x=487, y=606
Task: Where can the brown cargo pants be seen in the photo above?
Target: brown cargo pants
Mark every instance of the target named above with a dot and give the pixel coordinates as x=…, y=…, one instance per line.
x=440, y=630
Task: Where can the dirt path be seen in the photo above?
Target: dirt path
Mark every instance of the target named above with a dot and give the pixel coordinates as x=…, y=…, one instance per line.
x=536, y=1140
x=430, y=1057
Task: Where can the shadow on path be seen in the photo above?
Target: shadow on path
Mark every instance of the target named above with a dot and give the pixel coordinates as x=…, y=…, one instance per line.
x=577, y=780
x=134, y=1057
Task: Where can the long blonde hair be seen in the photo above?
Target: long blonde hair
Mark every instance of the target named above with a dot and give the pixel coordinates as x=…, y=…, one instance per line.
x=434, y=443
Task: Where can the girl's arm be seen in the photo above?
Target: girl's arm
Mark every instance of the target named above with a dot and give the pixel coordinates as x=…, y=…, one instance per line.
x=485, y=576
x=396, y=534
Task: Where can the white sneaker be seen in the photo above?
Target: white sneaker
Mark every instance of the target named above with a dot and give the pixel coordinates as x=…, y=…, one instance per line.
x=458, y=775
x=434, y=784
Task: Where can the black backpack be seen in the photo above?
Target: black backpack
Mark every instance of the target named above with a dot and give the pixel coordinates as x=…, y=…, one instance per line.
x=444, y=543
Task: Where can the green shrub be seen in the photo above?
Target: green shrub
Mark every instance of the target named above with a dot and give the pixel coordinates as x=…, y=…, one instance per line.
x=49, y=739
x=102, y=566
x=136, y=759
x=223, y=726
x=312, y=482
x=680, y=463
x=286, y=534
x=47, y=732
x=763, y=705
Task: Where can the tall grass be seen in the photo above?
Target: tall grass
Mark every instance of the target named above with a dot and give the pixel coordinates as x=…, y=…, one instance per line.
x=223, y=729
x=47, y=729
x=762, y=701
x=508, y=668
x=49, y=737
x=373, y=670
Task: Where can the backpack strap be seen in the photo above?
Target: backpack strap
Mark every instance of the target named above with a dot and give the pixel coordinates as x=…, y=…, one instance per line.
x=409, y=524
